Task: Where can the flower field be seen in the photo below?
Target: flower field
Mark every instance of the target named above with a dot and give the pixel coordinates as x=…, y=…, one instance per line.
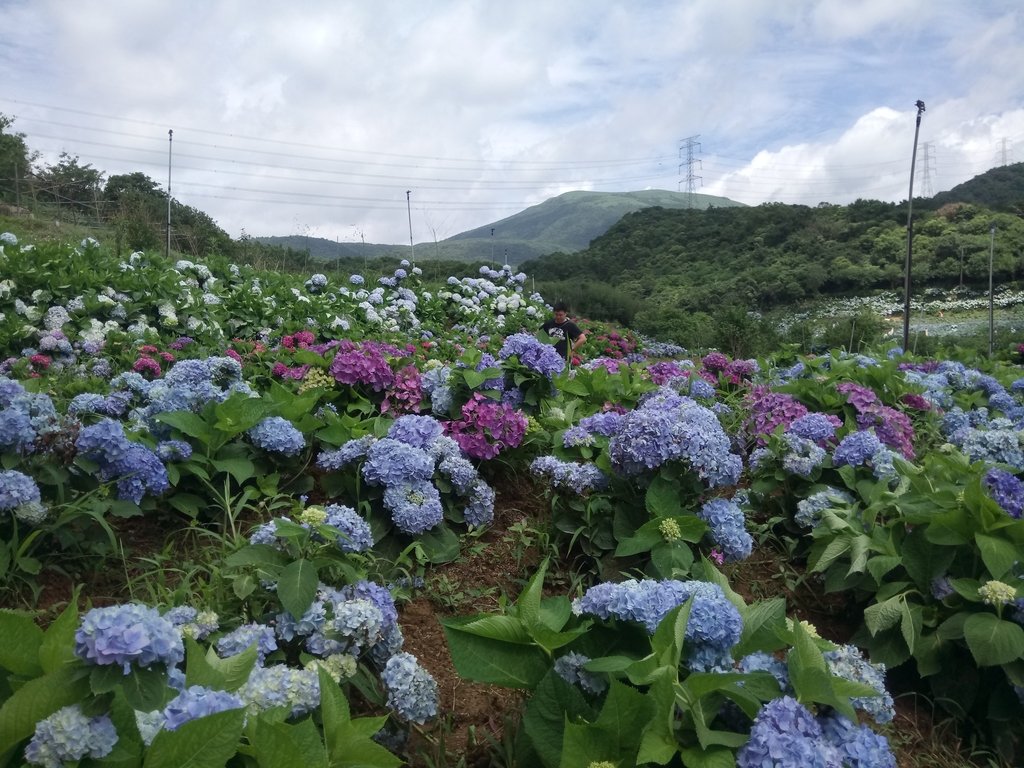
x=221, y=492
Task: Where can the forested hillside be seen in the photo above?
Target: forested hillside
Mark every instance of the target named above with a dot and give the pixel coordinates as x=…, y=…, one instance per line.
x=664, y=270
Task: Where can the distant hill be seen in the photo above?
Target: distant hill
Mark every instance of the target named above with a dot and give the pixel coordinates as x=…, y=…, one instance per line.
x=563, y=224
x=1001, y=189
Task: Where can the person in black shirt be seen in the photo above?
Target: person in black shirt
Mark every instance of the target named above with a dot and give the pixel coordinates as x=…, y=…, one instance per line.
x=565, y=330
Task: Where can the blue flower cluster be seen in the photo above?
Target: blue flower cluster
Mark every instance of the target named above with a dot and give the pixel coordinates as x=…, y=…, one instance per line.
x=435, y=383
x=415, y=505
x=275, y=434
x=197, y=701
x=861, y=448
x=534, y=354
x=570, y=668
x=128, y=634
x=808, y=511
x=606, y=423
x=17, y=491
x=578, y=478
x=69, y=735
x=856, y=745
x=802, y=456
x=193, y=623
x=785, y=735
x=351, y=451
x=137, y=470
x=412, y=692
x=356, y=535
x=281, y=686
x=727, y=525
x=1007, y=490
x=714, y=626
x=246, y=635
x=849, y=663
x=759, y=661
x=670, y=427
x=417, y=431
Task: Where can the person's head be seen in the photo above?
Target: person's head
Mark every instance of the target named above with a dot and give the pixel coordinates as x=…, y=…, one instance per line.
x=560, y=311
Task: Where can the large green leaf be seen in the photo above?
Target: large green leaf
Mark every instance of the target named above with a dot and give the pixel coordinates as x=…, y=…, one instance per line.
x=145, y=688
x=190, y=424
x=210, y=670
x=36, y=699
x=439, y=544
x=662, y=498
x=240, y=469
x=297, y=586
x=881, y=616
x=19, y=650
x=279, y=745
x=58, y=646
x=554, y=702
x=494, y=661
x=206, y=742
x=993, y=640
x=998, y=554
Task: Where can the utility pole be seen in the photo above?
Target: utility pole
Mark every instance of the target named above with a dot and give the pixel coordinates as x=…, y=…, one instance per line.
x=492, y=244
x=910, y=231
x=991, y=318
x=412, y=248
x=17, y=187
x=688, y=144
x=167, y=248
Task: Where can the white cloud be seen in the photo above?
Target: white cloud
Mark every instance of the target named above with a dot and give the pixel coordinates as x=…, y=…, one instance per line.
x=319, y=116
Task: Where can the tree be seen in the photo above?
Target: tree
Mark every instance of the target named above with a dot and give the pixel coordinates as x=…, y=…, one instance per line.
x=15, y=162
x=71, y=185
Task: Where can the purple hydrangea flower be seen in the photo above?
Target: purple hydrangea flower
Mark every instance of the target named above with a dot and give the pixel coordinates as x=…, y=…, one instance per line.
x=819, y=427
x=856, y=449
x=1006, y=489
x=606, y=423
x=785, y=733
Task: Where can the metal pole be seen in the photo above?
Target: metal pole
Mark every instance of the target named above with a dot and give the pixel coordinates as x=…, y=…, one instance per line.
x=910, y=232
x=991, y=252
x=408, y=206
x=167, y=248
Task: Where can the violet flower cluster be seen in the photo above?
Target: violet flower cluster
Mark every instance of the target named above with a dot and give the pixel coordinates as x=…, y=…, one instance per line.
x=412, y=692
x=136, y=469
x=533, y=354
x=1006, y=490
x=670, y=427
x=276, y=434
x=197, y=701
x=727, y=528
x=363, y=363
x=892, y=427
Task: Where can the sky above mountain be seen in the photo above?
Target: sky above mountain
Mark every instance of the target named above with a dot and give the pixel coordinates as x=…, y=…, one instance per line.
x=358, y=120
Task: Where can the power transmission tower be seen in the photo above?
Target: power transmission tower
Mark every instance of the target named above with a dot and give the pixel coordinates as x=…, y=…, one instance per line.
x=1006, y=152
x=927, y=166
x=688, y=145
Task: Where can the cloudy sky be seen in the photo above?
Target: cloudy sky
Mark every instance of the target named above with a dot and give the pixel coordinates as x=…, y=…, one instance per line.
x=318, y=117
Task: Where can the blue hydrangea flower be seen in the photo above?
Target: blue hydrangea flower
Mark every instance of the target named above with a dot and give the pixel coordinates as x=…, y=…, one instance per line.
x=17, y=489
x=415, y=506
x=714, y=626
x=435, y=383
x=275, y=434
x=569, y=667
x=359, y=621
x=351, y=451
x=368, y=590
x=858, y=746
x=1007, y=490
x=16, y=431
x=281, y=686
x=576, y=437
x=173, y=451
x=849, y=663
x=287, y=627
x=417, y=431
x=760, y=661
x=197, y=701
x=808, y=511
x=532, y=353
x=802, y=456
x=412, y=692
x=606, y=423
x=391, y=462
x=459, y=471
x=785, y=734
x=480, y=507
x=356, y=535
x=727, y=525
x=69, y=735
x=240, y=639
x=856, y=449
x=577, y=478
x=128, y=634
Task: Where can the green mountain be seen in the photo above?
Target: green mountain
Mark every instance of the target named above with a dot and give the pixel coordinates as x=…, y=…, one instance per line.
x=1001, y=189
x=563, y=224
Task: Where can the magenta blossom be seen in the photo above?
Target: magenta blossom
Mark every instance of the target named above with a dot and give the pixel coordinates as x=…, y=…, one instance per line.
x=405, y=395
x=362, y=365
x=487, y=428
x=147, y=366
